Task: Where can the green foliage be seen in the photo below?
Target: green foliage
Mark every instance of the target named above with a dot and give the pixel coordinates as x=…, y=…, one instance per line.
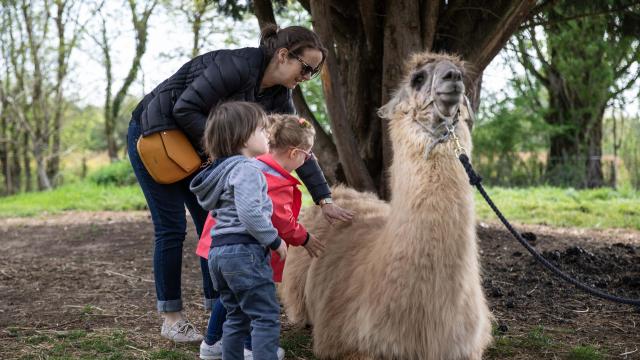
x=83, y=129
x=508, y=137
x=586, y=352
x=84, y=196
x=119, y=173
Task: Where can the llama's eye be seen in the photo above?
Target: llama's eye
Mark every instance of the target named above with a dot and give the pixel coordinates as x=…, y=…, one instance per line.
x=417, y=80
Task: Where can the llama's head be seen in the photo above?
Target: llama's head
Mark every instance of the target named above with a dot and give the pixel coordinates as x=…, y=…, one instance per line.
x=428, y=103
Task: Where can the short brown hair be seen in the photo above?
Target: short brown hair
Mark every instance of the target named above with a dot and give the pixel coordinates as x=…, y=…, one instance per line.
x=296, y=39
x=230, y=125
x=287, y=131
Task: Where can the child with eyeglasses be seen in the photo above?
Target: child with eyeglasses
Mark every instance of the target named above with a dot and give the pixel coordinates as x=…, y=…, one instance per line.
x=290, y=141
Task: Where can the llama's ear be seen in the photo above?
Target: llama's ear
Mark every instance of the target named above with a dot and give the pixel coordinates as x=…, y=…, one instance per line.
x=388, y=109
x=470, y=116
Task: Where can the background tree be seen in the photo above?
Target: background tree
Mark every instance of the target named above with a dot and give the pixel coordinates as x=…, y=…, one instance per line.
x=113, y=103
x=35, y=69
x=581, y=78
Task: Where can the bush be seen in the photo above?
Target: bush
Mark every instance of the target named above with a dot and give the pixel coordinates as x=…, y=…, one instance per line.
x=119, y=173
x=508, y=139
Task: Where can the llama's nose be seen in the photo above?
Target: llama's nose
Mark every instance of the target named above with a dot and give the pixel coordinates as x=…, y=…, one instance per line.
x=453, y=75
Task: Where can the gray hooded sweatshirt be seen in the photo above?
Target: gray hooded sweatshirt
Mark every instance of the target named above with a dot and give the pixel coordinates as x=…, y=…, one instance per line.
x=235, y=190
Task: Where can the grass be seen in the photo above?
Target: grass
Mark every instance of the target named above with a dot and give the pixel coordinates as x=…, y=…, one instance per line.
x=109, y=344
x=598, y=208
x=82, y=196
x=585, y=352
x=539, y=341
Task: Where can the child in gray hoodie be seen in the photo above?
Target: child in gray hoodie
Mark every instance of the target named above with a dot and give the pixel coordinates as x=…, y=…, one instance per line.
x=235, y=190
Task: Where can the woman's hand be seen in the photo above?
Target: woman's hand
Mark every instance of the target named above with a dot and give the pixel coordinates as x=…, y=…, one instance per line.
x=314, y=247
x=333, y=213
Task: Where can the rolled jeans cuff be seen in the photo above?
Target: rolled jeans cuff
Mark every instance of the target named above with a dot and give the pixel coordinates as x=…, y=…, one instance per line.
x=170, y=305
x=208, y=304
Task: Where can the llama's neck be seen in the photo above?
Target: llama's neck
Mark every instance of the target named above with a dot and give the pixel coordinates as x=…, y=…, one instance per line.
x=428, y=196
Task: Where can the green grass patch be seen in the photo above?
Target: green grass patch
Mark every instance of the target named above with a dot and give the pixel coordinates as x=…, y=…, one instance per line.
x=598, y=208
x=585, y=352
x=80, y=344
x=83, y=196
x=535, y=341
x=540, y=343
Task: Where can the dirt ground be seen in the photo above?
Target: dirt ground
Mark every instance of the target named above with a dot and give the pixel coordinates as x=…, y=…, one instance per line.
x=92, y=272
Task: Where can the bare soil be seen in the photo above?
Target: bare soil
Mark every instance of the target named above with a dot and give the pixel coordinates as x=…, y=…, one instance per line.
x=92, y=271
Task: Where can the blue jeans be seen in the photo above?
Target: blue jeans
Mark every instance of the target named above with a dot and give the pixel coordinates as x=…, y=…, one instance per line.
x=243, y=276
x=166, y=203
x=216, y=321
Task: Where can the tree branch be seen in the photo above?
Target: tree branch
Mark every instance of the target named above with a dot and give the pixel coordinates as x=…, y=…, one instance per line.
x=546, y=24
x=525, y=60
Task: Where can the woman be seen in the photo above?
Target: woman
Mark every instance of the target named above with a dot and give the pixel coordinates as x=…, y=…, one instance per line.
x=265, y=75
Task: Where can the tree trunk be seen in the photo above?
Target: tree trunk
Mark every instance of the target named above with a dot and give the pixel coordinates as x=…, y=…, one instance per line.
x=26, y=163
x=595, y=178
x=4, y=151
x=14, y=173
x=264, y=12
x=356, y=173
x=402, y=31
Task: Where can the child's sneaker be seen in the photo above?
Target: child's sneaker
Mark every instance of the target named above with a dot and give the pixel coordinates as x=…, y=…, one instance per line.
x=181, y=332
x=211, y=352
x=248, y=354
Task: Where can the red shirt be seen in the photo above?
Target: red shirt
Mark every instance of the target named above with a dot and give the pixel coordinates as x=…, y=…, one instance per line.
x=287, y=201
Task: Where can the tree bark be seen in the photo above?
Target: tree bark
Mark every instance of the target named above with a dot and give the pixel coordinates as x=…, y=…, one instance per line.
x=39, y=108
x=4, y=148
x=354, y=168
x=402, y=30
x=26, y=163
x=264, y=12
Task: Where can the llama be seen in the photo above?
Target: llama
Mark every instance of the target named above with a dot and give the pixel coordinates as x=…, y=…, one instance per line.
x=402, y=280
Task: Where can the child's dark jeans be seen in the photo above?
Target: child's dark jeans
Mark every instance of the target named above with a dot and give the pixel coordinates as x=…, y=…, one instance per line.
x=243, y=276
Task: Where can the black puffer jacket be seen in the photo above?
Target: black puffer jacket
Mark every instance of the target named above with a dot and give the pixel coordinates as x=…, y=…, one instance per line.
x=185, y=99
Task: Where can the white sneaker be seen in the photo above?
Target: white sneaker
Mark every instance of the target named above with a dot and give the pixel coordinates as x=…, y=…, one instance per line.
x=211, y=352
x=248, y=354
x=181, y=332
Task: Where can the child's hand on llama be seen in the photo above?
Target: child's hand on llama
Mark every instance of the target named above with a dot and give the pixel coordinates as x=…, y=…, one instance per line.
x=282, y=250
x=314, y=246
x=333, y=213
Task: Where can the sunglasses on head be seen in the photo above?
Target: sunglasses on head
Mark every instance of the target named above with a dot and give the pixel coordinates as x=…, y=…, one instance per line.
x=306, y=68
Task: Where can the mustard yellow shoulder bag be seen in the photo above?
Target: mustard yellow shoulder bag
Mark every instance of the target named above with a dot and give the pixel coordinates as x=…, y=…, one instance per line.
x=168, y=156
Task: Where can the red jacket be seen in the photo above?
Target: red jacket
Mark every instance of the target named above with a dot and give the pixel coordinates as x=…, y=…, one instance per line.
x=287, y=201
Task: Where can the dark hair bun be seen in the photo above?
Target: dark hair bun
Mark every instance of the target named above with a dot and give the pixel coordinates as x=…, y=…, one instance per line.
x=269, y=36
